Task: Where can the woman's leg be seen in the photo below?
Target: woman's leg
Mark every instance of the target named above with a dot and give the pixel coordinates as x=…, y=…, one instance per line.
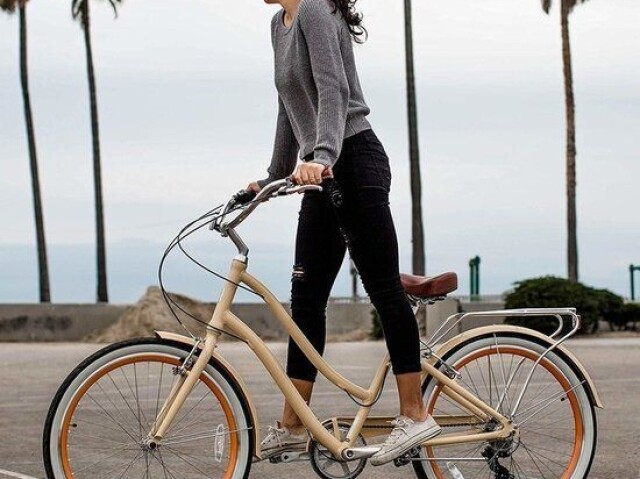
x=364, y=178
x=319, y=254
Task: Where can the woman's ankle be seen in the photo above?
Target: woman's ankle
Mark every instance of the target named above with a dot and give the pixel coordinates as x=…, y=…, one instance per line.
x=417, y=414
x=294, y=428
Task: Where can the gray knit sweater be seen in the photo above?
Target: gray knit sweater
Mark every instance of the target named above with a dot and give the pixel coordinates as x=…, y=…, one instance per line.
x=320, y=101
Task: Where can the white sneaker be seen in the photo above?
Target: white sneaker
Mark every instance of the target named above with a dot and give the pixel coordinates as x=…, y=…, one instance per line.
x=281, y=439
x=405, y=435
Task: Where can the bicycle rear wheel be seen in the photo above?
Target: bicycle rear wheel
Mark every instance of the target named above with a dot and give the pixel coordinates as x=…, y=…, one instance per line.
x=555, y=421
x=99, y=420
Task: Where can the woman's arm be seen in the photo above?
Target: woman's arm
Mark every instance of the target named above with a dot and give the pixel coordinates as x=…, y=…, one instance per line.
x=322, y=32
x=285, y=149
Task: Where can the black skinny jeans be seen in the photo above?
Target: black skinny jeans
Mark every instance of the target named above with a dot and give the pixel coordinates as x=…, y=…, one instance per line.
x=352, y=211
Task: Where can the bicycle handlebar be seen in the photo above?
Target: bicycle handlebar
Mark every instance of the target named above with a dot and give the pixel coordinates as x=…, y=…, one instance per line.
x=248, y=197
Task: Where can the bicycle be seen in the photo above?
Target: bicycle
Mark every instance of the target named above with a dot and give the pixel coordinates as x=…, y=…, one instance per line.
x=512, y=402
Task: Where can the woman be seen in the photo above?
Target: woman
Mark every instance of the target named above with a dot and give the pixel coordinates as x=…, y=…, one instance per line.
x=322, y=118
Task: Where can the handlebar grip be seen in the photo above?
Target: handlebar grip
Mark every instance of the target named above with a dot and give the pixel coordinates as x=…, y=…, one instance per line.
x=244, y=196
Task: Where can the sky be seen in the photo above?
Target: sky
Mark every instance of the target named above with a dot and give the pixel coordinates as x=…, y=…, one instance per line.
x=187, y=115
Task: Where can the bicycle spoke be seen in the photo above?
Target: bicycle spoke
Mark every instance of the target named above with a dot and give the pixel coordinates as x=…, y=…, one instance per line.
x=100, y=438
x=475, y=388
x=530, y=431
x=109, y=399
x=175, y=428
x=550, y=401
x=159, y=389
x=190, y=456
x=497, y=374
x=118, y=466
x=505, y=395
x=112, y=418
x=179, y=456
x=93, y=464
x=196, y=437
x=103, y=440
x=122, y=475
x=137, y=416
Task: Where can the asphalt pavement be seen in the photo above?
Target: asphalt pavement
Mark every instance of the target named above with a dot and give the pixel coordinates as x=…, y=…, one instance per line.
x=31, y=372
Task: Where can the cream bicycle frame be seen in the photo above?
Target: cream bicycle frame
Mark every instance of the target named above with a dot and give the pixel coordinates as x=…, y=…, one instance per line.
x=224, y=319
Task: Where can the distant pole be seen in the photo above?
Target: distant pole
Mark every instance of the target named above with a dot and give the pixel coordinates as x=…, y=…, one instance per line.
x=354, y=281
x=478, y=276
x=632, y=270
x=474, y=273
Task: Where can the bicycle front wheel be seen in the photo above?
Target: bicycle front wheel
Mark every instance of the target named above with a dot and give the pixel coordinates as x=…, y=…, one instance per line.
x=555, y=420
x=99, y=421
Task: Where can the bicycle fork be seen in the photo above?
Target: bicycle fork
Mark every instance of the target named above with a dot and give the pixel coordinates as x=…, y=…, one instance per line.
x=189, y=375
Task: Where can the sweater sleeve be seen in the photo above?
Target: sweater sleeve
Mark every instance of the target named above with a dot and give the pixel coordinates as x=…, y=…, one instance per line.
x=285, y=148
x=322, y=31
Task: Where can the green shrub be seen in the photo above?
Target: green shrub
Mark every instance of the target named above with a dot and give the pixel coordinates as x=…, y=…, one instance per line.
x=593, y=305
x=627, y=318
x=611, y=305
x=376, y=325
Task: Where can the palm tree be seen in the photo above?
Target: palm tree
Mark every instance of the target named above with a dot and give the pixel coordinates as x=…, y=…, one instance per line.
x=80, y=11
x=417, y=233
x=566, y=6
x=43, y=269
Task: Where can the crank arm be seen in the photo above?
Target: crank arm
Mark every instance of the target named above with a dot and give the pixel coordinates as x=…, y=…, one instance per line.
x=288, y=457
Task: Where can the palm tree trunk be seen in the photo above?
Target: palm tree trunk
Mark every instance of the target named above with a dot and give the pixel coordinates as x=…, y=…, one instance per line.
x=572, y=239
x=417, y=233
x=102, y=295
x=43, y=269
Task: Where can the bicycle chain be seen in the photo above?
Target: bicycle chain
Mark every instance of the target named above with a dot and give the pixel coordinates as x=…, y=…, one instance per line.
x=388, y=427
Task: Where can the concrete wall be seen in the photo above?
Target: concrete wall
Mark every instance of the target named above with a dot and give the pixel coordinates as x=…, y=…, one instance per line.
x=54, y=322
x=72, y=322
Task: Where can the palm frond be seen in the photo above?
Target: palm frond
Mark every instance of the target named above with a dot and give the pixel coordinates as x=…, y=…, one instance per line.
x=8, y=6
x=76, y=7
x=114, y=4
x=574, y=3
x=571, y=4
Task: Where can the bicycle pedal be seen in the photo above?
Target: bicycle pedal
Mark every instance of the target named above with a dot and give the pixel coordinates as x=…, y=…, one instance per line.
x=407, y=457
x=287, y=457
x=295, y=456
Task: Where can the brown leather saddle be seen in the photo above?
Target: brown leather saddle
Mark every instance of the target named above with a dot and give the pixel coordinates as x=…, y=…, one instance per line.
x=429, y=287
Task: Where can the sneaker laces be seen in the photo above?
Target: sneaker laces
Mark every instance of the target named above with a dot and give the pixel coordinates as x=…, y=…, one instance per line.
x=275, y=432
x=399, y=428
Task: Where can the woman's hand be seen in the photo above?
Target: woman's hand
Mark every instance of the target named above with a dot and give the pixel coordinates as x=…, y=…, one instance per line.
x=254, y=186
x=311, y=174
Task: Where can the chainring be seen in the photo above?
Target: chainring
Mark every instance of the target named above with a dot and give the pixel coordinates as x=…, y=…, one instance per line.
x=327, y=466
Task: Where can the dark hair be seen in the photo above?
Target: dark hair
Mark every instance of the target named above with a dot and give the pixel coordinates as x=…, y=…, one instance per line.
x=353, y=19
